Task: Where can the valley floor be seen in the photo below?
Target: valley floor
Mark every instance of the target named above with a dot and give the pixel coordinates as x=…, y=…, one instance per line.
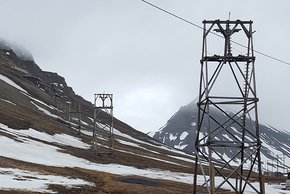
x=35, y=178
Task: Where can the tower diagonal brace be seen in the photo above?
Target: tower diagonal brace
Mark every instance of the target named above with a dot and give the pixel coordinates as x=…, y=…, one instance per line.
x=243, y=142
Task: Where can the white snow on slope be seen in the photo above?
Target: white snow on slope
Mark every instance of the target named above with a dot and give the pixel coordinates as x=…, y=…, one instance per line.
x=39, y=101
x=85, y=123
x=70, y=141
x=167, y=148
x=85, y=132
x=179, y=146
x=183, y=135
x=153, y=158
x=8, y=102
x=12, y=83
x=269, y=189
x=29, y=150
x=227, y=137
x=81, y=121
x=128, y=143
x=235, y=130
x=172, y=137
x=91, y=119
x=62, y=139
x=32, y=151
x=17, y=179
x=151, y=133
x=44, y=110
x=135, y=145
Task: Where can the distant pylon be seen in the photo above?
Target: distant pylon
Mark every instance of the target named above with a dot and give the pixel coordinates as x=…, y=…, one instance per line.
x=103, y=138
x=74, y=115
x=227, y=83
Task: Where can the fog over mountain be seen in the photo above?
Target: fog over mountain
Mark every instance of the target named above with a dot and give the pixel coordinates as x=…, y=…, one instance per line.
x=19, y=50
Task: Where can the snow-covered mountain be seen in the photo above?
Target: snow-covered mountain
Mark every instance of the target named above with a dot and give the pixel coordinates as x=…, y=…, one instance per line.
x=179, y=132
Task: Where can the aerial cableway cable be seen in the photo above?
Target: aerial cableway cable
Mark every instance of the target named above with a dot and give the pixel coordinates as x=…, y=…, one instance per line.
x=198, y=26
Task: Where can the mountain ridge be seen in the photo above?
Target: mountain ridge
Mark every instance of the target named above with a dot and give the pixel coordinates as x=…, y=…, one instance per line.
x=179, y=132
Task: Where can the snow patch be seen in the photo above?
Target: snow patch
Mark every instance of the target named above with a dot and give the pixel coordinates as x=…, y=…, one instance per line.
x=16, y=179
x=40, y=102
x=235, y=130
x=58, y=84
x=84, y=123
x=91, y=119
x=8, y=102
x=128, y=143
x=153, y=158
x=88, y=133
x=44, y=110
x=183, y=135
x=12, y=83
x=172, y=137
x=69, y=140
x=62, y=139
x=179, y=146
x=151, y=134
x=227, y=137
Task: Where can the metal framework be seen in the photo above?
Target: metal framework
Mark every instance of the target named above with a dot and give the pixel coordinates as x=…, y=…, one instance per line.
x=103, y=138
x=74, y=116
x=227, y=82
x=59, y=106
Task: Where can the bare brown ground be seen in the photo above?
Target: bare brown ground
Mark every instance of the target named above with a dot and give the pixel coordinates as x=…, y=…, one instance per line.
x=104, y=182
x=25, y=115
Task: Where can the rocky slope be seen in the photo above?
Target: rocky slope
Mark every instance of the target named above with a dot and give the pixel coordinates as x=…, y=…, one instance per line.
x=40, y=152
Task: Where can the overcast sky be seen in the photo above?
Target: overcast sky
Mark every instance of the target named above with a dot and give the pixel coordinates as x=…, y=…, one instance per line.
x=146, y=58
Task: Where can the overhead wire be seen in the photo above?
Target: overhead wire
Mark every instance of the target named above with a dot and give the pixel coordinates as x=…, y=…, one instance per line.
x=200, y=27
x=172, y=14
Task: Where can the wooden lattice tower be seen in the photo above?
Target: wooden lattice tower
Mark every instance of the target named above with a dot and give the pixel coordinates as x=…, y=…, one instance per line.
x=227, y=82
x=103, y=138
x=74, y=115
x=61, y=108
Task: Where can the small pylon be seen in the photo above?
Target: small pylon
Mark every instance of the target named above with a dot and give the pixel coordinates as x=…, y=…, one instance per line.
x=103, y=136
x=75, y=117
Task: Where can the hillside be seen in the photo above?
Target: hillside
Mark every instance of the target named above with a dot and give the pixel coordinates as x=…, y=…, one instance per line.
x=41, y=153
x=179, y=132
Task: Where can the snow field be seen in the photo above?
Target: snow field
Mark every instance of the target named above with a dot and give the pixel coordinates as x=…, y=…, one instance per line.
x=16, y=179
x=26, y=149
